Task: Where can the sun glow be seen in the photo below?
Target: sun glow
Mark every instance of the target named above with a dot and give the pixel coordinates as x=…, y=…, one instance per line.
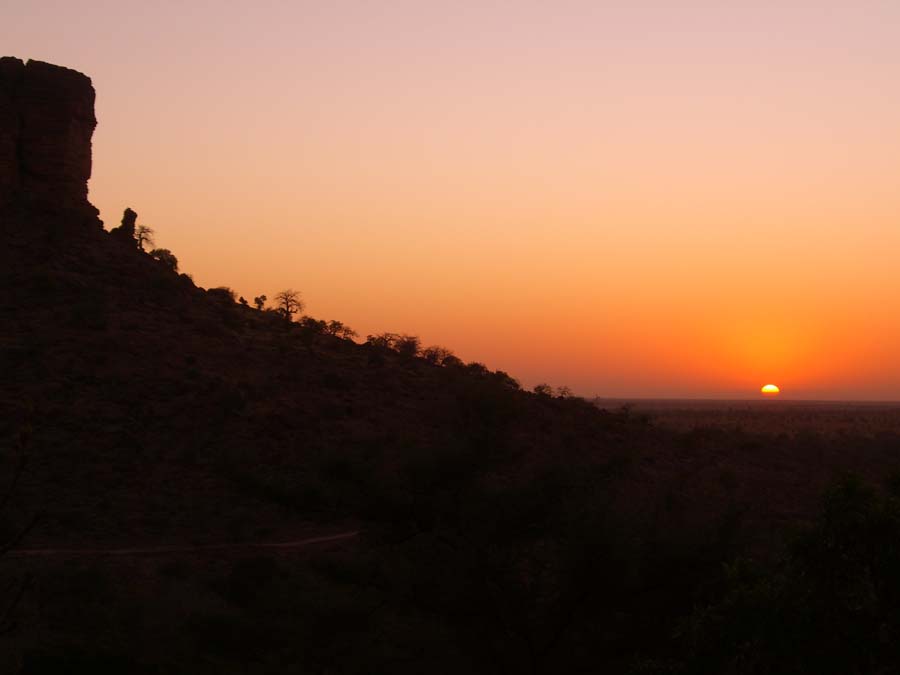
x=770, y=390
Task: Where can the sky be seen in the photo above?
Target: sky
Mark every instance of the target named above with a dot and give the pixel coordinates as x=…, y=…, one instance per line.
x=633, y=199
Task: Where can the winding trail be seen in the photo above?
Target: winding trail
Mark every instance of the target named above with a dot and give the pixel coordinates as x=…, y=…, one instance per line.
x=168, y=550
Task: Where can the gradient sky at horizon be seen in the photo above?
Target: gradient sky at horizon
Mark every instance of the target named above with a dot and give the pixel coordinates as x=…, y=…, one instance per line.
x=640, y=200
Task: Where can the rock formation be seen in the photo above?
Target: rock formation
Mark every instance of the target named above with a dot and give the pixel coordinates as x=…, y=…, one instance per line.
x=125, y=232
x=46, y=123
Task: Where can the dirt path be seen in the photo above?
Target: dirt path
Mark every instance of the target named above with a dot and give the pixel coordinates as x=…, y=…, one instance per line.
x=168, y=550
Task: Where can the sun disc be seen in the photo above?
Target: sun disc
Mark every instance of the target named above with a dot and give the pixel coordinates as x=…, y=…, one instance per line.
x=770, y=390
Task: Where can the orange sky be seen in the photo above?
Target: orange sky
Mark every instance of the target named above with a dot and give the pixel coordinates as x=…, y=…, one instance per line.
x=647, y=201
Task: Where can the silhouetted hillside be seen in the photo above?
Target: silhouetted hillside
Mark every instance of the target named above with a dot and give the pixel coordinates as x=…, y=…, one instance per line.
x=499, y=530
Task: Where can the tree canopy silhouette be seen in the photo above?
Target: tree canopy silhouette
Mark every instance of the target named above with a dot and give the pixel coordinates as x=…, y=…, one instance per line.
x=339, y=329
x=436, y=354
x=143, y=235
x=289, y=303
x=166, y=257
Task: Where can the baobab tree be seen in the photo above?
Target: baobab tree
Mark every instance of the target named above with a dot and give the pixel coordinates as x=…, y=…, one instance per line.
x=289, y=303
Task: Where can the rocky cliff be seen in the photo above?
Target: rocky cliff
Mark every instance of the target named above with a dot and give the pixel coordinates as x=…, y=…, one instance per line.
x=46, y=123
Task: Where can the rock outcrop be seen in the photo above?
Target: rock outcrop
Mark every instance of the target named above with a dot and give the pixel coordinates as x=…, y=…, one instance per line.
x=125, y=232
x=46, y=123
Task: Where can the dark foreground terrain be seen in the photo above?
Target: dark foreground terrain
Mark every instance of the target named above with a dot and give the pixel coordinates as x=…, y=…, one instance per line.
x=197, y=486
x=766, y=416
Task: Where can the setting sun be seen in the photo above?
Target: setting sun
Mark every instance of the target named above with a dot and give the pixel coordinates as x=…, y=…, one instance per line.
x=770, y=390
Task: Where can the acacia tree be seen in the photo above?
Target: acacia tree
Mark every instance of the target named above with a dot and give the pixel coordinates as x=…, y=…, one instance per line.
x=260, y=302
x=289, y=303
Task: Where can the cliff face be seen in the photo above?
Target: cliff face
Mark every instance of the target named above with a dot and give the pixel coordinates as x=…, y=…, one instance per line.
x=46, y=123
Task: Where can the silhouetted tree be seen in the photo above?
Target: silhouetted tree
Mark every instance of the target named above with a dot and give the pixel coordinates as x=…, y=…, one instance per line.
x=405, y=345
x=143, y=235
x=243, y=300
x=166, y=257
x=507, y=380
x=477, y=368
x=289, y=303
x=451, y=361
x=436, y=354
x=543, y=389
x=408, y=345
x=563, y=392
x=339, y=329
x=383, y=340
x=260, y=302
x=317, y=326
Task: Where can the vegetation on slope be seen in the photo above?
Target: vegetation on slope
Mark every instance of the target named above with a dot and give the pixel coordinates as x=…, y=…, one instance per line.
x=502, y=531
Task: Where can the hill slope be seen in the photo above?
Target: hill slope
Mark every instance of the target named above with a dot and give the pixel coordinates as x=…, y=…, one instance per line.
x=499, y=530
